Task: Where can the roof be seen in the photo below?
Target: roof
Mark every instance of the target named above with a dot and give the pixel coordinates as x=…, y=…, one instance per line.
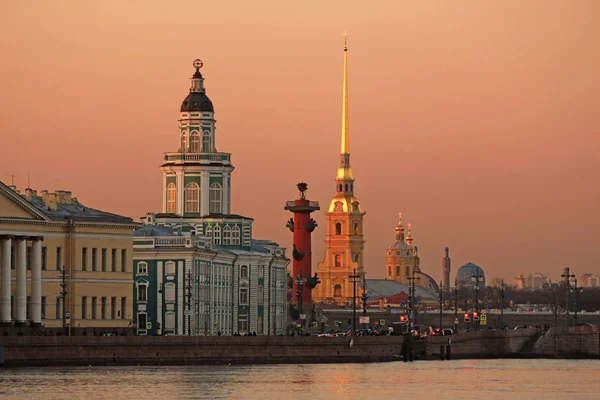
x=197, y=101
x=378, y=288
x=209, y=216
x=154, y=230
x=74, y=210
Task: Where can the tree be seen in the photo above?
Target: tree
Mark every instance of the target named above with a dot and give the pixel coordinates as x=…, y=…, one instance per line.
x=553, y=295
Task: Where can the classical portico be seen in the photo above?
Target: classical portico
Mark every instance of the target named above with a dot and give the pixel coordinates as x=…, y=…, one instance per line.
x=18, y=262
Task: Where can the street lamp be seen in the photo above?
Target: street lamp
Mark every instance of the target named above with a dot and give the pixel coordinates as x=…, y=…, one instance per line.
x=441, y=300
x=477, y=279
x=567, y=277
x=411, y=297
x=365, y=299
x=575, y=290
x=502, y=288
x=354, y=279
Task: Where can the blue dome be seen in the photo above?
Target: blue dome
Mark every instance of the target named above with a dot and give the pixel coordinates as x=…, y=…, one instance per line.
x=465, y=274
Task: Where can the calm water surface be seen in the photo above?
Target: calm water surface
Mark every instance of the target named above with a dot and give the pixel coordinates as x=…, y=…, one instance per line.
x=465, y=379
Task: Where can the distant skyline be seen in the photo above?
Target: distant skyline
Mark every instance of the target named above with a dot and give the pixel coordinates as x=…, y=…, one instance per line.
x=477, y=120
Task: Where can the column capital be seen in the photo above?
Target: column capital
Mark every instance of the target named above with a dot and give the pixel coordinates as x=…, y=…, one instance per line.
x=21, y=238
x=36, y=238
x=7, y=237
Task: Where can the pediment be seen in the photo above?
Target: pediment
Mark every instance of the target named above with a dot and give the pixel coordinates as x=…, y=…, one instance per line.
x=12, y=205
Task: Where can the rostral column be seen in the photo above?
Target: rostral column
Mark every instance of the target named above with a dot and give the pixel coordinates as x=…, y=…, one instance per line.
x=302, y=225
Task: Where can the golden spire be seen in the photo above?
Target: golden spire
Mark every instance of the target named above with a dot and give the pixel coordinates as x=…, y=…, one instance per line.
x=345, y=126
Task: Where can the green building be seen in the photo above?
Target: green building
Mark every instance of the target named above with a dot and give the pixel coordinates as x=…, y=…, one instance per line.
x=197, y=269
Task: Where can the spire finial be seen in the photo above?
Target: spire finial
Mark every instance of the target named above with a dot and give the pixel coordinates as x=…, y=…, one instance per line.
x=345, y=125
x=400, y=218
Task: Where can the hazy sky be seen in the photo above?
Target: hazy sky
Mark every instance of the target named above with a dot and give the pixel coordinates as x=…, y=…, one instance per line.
x=477, y=119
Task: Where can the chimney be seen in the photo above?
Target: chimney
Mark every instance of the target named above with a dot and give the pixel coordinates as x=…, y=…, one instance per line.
x=63, y=197
x=30, y=193
x=49, y=199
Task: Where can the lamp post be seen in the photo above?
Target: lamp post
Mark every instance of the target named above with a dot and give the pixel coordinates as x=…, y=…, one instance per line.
x=354, y=279
x=299, y=283
x=477, y=279
x=456, y=305
x=411, y=297
x=441, y=303
x=567, y=278
x=502, y=288
x=575, y=290
x=365, y=298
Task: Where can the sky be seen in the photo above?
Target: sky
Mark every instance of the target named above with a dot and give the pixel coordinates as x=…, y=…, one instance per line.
x=478, y=120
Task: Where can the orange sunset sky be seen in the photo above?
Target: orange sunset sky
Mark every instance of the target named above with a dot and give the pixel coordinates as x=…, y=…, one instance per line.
x=477, y=119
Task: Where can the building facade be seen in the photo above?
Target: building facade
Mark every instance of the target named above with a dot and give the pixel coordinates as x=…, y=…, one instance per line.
x=63, y=264
x=344, y=238
x=198, y=270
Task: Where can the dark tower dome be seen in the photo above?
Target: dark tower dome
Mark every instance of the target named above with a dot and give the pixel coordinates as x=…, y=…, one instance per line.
x=196, y=101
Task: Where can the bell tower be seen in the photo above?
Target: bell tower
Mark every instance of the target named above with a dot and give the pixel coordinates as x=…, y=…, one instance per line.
x=344, y=240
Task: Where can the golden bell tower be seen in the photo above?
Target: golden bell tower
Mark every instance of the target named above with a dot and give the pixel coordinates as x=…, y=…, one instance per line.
x=344, y=240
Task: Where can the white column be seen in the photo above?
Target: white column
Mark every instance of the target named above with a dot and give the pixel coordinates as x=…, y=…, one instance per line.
x=204, y=188
x=5, y=299
x=225, y=194
x=36, y=281
x=21, y=297
x=180, y=200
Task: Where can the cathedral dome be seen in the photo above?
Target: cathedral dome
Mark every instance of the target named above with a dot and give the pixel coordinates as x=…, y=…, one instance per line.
x=197, y=101
x=465, y=274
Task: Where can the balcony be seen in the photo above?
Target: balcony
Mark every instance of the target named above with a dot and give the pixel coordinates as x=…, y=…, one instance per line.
x=202, y=158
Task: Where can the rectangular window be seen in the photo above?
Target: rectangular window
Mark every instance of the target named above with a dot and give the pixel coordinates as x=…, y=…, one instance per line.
x=243, y=322
x=142, y=268
x=84, y=259
x=43, y=307
x=28, y=257
x=123, y=260
x=44, y=258
x=123, y=307
x=94, y=306
x=103, y=260
x=170, y=292
x=142, y=293
x=170, y=320
x=103, y=308
x=94, y=259
x=170, y=268
x=84, y=307
x=59, y=264
x=113, y=308
x=113, y=260
x=141, y=321
x=244, y=296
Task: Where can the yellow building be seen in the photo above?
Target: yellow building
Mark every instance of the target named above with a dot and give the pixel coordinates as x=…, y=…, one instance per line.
x=344, y=242
x=49, y=241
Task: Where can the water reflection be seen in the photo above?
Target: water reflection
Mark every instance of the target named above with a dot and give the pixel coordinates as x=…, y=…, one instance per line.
x=515, y=379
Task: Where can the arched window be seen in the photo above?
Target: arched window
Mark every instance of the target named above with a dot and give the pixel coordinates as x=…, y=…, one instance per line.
x=215, y=198
x=337, y=291
x=171, y=206
x=195, y=142
x=346, y=187
x=244, y=272
x=192, y=198
x=356, y=228
x=235, y=235
x=217, y=235
x=260, y=295
x=407, y=270
x=227, y=235
x=206, y=142
x=208, y=231
x=398, y=270
x=338, y=228
x=356, y=258
x=338, y=260
x=184, y=142
x=389, y=271
x=340, y=188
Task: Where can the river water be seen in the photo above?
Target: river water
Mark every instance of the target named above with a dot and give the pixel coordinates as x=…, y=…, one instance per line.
x=461, y=379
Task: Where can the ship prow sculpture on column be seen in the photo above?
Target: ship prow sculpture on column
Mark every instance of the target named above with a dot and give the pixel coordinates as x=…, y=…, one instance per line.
x=302, y=280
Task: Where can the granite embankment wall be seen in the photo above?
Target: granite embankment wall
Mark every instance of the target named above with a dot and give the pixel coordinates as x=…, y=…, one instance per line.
x=574, y=341
x=484, y=344
x=176, y=350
